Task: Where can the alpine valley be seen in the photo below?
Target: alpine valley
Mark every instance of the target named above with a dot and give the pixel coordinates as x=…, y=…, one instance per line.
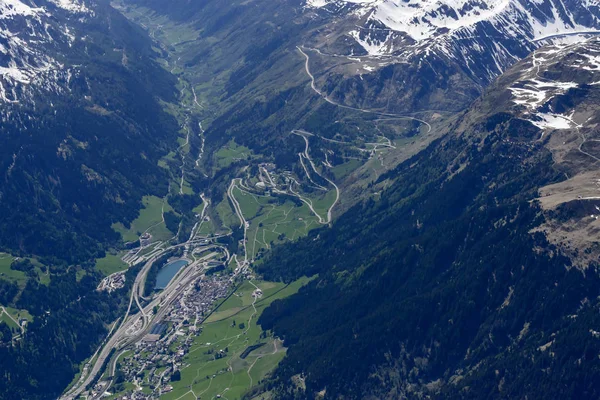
x=290, y=199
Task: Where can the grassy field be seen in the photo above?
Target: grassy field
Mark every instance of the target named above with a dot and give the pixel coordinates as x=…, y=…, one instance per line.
x=186, y=188
x=164, y=162
x=231, y=153
x=111, y=263
x=206, y=228
x=272, y=222
x=8, y=321
x=226, y=214
x=249, y=203
x=322, y=204
x=19, y=277
x=204, y=376
x=16, y=315
x=198, y=208
x=343, y=170
x=150, y=219
x=9, y=274
x=278, y=224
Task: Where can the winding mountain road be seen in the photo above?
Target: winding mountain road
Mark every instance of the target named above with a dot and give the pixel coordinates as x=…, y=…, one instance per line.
x=327, y=99
x=303, y=135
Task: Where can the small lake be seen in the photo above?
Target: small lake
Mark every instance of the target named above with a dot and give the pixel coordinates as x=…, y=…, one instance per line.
x=167, y=273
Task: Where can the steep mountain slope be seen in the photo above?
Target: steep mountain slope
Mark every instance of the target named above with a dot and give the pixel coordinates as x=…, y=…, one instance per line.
x=82, y=127
x=444, y=285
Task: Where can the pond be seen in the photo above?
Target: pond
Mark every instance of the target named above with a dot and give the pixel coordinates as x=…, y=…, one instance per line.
x=167, y=273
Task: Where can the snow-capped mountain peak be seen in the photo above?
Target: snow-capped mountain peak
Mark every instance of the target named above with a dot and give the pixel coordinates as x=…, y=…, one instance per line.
x=421, y=19
x=484, y=36
x=424, y=19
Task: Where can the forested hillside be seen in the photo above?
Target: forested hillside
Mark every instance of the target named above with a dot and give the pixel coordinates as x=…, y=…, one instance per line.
x=69, y=323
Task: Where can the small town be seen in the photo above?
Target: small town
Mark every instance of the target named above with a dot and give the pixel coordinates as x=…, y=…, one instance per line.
x=158, y=356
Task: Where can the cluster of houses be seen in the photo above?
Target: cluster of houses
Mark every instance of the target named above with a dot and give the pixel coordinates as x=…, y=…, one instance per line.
x=198, y=300
x=145, y=239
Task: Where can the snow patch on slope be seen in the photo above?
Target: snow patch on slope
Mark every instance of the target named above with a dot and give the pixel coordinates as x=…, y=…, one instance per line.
x=422, y=18
x=323, y=3
x=374, y=47
x=12, y=8
x=73, y=6
x=534, y=92
x=552, y=121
